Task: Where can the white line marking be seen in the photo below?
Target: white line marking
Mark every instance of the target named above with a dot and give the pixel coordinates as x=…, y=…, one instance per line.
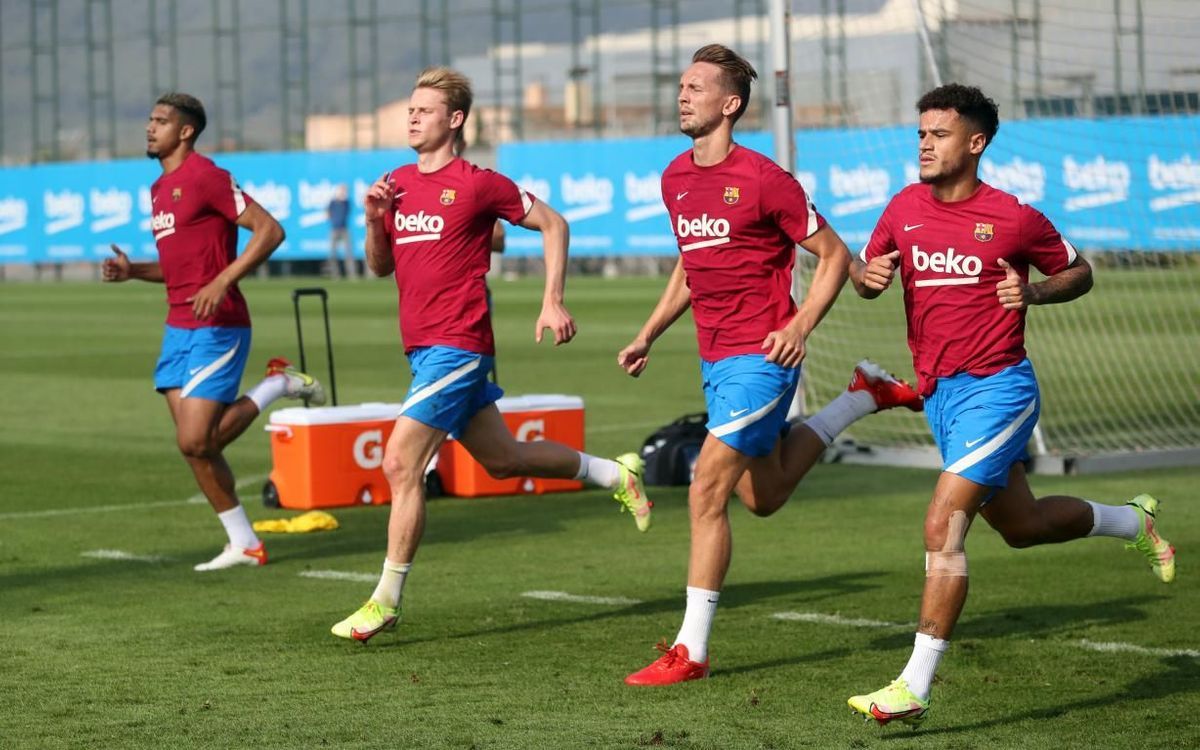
x=340, y=575
x=854, y=622
x=562, y=596
x=1134, y=648
x=193, y=500
x=117, y=554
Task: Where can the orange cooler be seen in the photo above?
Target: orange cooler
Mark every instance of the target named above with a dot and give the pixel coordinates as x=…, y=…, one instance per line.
x=331, y=456
x=529, y=418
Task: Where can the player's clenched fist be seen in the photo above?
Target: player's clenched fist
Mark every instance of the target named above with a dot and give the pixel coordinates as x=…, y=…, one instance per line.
x=881, y=270
x=633, y=358
x=116, y=268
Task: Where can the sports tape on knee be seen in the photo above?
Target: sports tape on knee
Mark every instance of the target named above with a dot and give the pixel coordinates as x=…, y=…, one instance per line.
x=951, y=560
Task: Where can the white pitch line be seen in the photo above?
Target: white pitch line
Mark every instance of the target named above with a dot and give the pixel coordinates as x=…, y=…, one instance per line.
x=193, y=500
x=117, y=554
x=853, y=622
x=1134, y=648
x=562, y=596
x=340, y=575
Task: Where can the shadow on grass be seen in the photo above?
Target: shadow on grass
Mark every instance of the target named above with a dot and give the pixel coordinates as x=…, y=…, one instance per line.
x=1039, y=620
x=719, y=671
x=734, y=595
x=1182, y=675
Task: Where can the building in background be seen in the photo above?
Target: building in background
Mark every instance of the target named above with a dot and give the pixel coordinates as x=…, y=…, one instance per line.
x=76, y=75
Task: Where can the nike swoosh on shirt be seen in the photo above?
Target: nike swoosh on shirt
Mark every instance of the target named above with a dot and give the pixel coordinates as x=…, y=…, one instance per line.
x=738, y=413
x=194, y=370
x=910, y=227
x=679, y=196
x=971, y=443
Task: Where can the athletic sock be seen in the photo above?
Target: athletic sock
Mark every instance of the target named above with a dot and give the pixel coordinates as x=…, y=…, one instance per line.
x=391, y=583
x=1121, y=521
x=927, y=653
x=697, y=622
x=840, y=413
x=238, y=528
x=268, y=389
x=602, y=472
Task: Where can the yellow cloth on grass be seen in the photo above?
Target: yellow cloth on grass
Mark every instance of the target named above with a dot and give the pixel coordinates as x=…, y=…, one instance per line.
x=314, y=520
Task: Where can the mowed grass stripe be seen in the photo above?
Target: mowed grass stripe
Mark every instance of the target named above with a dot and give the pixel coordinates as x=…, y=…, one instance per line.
x=126, y=654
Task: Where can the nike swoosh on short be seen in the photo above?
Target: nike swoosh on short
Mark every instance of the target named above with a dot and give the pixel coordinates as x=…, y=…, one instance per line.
x=194, y=370
x=910, y=227
x=679, y=196
x=971, y=443
x=738, y=413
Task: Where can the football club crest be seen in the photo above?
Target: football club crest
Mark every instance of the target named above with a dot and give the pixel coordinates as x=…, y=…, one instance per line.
x=176, y=194
x=448, y=196
x=731, y=195
x=984, y=232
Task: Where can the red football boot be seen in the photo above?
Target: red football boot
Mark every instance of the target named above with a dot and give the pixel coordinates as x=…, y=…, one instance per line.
x=887, y=390
x=672, y=667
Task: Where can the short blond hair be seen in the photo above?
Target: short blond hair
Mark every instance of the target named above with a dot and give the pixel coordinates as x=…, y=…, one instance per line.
x=455, y=86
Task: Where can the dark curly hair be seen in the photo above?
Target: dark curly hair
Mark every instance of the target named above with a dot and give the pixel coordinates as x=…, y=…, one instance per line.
x=190, y=110
x=970, y=103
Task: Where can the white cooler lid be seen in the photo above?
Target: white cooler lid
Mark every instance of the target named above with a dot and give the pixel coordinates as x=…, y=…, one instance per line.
x=375, y=412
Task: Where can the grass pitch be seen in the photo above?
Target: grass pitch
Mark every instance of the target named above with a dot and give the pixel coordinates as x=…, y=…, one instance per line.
x=1060, y=647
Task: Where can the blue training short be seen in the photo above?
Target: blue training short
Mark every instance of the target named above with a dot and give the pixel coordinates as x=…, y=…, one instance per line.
x=203, y=362
x=748, y=401
x=449, y=387
x=982, y=424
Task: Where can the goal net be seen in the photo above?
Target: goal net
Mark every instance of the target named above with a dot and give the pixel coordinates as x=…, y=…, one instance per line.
x=1099, y=130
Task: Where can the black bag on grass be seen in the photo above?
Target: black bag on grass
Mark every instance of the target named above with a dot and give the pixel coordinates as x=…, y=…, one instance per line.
x=671, y=452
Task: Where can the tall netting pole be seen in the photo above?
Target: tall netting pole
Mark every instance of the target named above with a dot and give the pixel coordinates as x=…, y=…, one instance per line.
x=778, y=18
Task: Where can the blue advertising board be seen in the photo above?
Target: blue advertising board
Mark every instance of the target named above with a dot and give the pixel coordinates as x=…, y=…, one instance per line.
x=74, y=211
x=1112, y=184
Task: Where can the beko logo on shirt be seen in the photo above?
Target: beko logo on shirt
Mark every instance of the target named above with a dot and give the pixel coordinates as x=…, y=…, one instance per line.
x=966, y=268
x=163, y=224
x=714, y=230
x=427, y=226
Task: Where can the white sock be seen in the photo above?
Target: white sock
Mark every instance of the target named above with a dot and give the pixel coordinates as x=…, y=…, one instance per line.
x=268, y=389
x=918, y=673
x=238, y=528
x=391, y=583
x=1120, y=521
x=840, y=413
x=697, y=622
x=602, y=472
